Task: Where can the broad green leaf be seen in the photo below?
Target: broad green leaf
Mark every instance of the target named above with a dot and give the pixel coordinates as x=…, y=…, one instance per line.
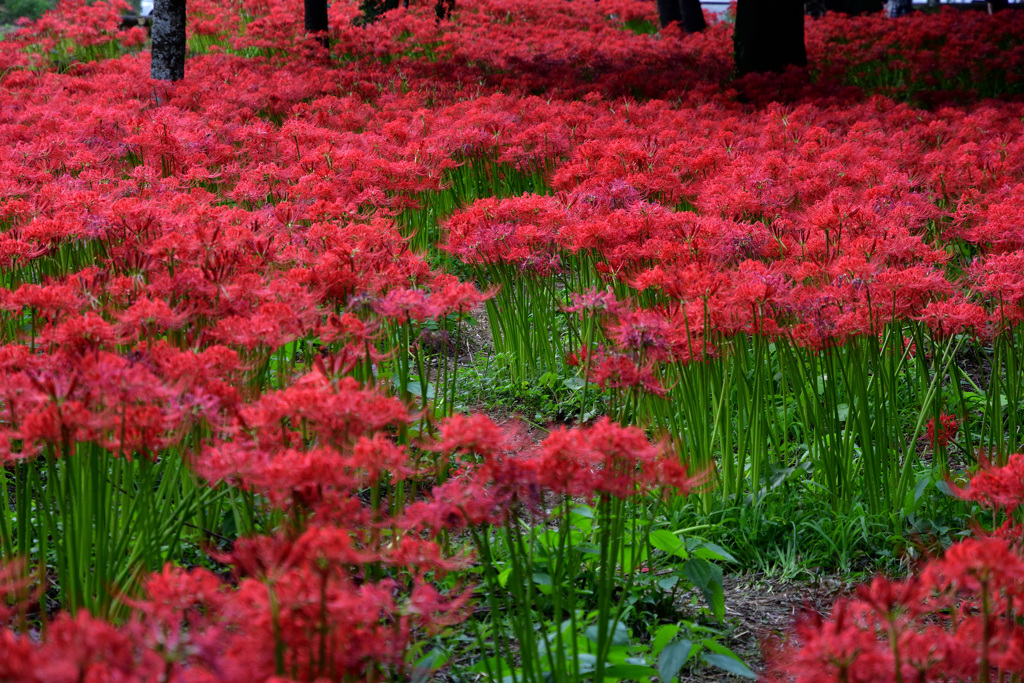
x=586, y=662
x=708, y=578
x=716, y=598
x=672, y=659
x=427, y=664
x=491, y=663
x=581, y=522
x=699, y=572
x=668, y=542
x=618, y=672
x=503, y=576
x=921, y=487
x=229, y=525
x=620, y=634
x=584, y=511
x=713, y=551
x=733, y=666
x=716, y=646
x=414, y=388
x=662, y=637
x=668, y=583
x=574, y=383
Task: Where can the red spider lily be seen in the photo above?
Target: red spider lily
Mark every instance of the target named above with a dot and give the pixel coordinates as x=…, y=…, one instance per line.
x=944, y=432
x=162, y=245
x=476, y=435
x=520, y=231
x=998, y=487
x=349, y=329
x=617, y=371
x=954, y=620
x=642, y=334
x=608, y=459
x=948, y=318
x=270, y=451
x=339, y=412
x=594, y=301
x=452, y=296
x=406, y=305
x=487, y=498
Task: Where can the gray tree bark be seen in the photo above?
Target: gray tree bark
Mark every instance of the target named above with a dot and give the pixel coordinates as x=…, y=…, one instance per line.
x=898, y=8
x=168, y=36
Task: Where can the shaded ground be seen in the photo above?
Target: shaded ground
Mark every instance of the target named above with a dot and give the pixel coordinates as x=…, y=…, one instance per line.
x=757, y=607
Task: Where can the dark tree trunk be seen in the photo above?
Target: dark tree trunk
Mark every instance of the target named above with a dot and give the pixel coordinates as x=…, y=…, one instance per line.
x=669, y=11
x=168, y=34
x=373, y=9
x=316, y=20
x=853, y=6
x=443, y=9
x=769, y=35
x=693, y=16
x=316, y=16
x=686, y=13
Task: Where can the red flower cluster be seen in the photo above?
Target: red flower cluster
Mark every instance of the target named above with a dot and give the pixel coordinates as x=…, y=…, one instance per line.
x=1000, y=488
x=306, y=602
x=958, y=618
x=297, y=611
x=220, y=270
x=942, y=433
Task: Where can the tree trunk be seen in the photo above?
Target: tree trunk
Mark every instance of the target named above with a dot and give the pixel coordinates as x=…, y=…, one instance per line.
x=316, y=16
x=853, y=6
x=669, y=11
x=443, y=9
x=316, y=20
x=687, y=13
x=168, y=34
x=693, y=16
x=371, y=10
x=769, y=35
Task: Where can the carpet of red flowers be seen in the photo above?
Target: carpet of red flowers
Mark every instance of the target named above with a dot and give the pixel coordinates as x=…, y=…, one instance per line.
x=170, y=252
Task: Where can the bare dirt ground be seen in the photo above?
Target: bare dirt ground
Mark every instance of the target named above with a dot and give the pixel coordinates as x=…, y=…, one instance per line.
x=760, y=607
